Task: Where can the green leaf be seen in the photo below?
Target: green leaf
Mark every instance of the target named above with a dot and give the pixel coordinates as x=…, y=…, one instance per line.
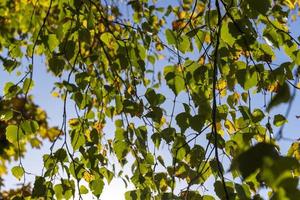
x=219, y=189
x=153, y=98
x=61, y=155
x=245, y=112
x=13, y=133
x=196, y=156
x=179, y=149
x=119, y=105
x=10, y=65
x=197, y=122
x=56, y=65
x=251, y=80
x=261, y=6
x=29, y=126
x=204, y=174
x=84, y=35
x=256, y=154
x=133, y=108
x=96, y=186
x=200, y=38
x=273, y=36
x=133, y=195
x=83, y=189
x=76, y=169
x=18, y=172
x=171, y=39
x=257, y=115
x=69, y=50
x=28, y=85
x=247, y=78
x=156, y=114
x=15, y=51
x=289, y=48
x=283, y=96
x=151, y=59
x=183, y=121
x=11, y=90
x=107, y=38
x=211, y=17
x=184, y=44
x=229, y=32
x=243, y=191
x=168, y=134
x=193, y=195
x=121, y=150
x=52, y=42
x=221, y=141
x=174, y=79
x=6, y=115
x=297, y=61
x=192, y=33
x=208, y=197
x=90, y=20
x=276, y=172
x=39, y=189
x=77, y=139
x=107, y=174
x=279, y=120
x=59, y=190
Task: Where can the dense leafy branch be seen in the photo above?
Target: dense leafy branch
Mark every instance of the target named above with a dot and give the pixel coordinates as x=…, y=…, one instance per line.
x=176, y=91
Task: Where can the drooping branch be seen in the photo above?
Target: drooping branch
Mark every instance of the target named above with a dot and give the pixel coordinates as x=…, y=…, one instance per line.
x=214, y=108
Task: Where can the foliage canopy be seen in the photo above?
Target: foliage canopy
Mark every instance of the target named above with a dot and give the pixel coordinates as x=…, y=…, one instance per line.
x=173, y=90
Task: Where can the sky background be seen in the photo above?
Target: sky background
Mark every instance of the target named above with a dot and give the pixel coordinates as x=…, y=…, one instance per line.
x=54, y=106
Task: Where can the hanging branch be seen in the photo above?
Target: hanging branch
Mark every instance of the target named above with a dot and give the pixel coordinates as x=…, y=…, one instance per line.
x=214, y=109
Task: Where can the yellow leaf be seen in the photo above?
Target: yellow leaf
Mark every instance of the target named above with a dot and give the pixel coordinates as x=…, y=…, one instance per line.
x=161, y=57
x=219, y=129
x=200, y=8
x=290, y=3
x=181, y=14
x=230, y=126
x=163, y=184
x=111, y=18
x=84, y=23
x=207, y=38
x=87, y=134
x=130, y=89
x=236, y=97
x=221, y=86
x=55, y=94
x=104, y=152
x=162, y=121
x=101, y=28
x=74, y=122
x=52, y=133
x=159, y=46
x=178, y=24
x=88, y=177
x=98, y=126
x=298, y=85
x=294, y=150
x=273, y=87
x=201, y=60
x=2, y=167
x=41, y=114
